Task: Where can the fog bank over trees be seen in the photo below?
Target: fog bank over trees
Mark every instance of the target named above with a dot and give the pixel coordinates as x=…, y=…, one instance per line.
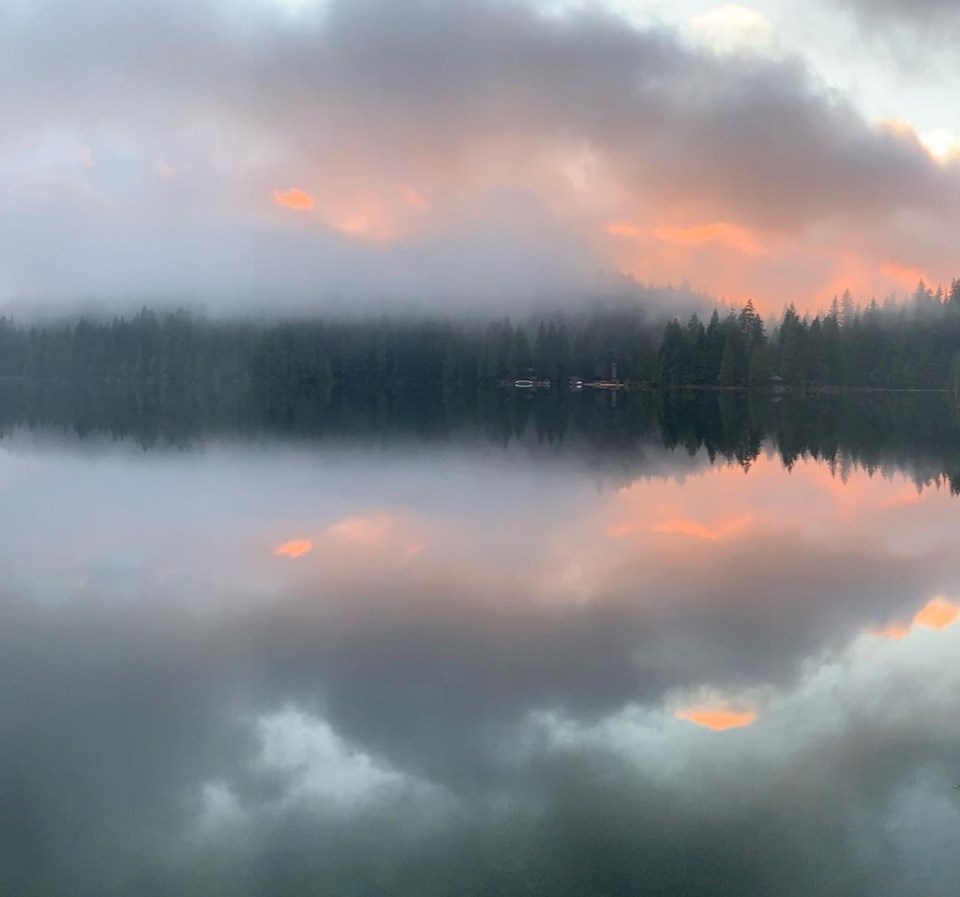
x=914, y=345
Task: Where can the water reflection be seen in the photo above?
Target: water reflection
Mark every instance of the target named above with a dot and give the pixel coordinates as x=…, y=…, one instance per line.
x=639, y=655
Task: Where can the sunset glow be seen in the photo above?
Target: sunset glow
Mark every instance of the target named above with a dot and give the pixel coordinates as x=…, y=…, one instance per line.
x=904, y=275
x=459, y=446
x=294, y=199
x=438, y=176
x=414, y=199
x=731, y=235
x=295, y=549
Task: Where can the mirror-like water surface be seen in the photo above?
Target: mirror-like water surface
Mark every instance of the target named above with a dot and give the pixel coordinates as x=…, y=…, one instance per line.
x=677, y=647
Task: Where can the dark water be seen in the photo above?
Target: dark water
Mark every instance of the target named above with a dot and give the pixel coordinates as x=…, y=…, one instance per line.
x=405, y=645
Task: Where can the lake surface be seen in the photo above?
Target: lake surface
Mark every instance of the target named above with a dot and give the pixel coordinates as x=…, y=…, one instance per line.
x=679, y=645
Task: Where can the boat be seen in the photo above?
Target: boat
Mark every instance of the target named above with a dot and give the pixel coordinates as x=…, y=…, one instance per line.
x=524, y=384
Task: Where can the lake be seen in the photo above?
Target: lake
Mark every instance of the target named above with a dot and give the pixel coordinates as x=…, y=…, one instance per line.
x=689, y=644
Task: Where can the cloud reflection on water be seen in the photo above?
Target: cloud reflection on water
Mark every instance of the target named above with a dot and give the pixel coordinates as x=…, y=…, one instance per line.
x=467, y=678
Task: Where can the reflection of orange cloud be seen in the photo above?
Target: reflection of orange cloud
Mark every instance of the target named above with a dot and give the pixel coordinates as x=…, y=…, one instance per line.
x=377, y=532
x=717, y=719
x=895, y=631
x=683, y=527
x=938, y=614
x=369, y=531
x=699, y=531
x=295, y=549
x=294, y=199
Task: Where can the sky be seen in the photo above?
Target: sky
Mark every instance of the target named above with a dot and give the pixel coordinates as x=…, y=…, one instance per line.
x=271, y=154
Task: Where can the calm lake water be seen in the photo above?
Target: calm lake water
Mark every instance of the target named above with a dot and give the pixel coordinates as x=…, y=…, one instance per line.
x=676, y=646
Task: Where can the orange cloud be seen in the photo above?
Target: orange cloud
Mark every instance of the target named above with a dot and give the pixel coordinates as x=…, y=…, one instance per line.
x=717, y=719
x=295, y=549
x=413, y=199
x=731, y=235
x=902, y=274
x=295, y=199
x=630, y=231
x=938, y=614
x=719, y=231
x=894, y=632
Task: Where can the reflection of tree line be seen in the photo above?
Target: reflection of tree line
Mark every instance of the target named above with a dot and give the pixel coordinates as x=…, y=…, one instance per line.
x=915, y=433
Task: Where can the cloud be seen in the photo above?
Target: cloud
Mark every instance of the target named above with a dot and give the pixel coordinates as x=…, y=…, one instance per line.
x=731, y=28
x=717, y=719
x=489, y=108
x=926, y=14
x=294, y=199
x=294, y=549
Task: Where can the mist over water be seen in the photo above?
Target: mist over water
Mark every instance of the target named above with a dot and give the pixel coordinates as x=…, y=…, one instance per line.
x=688, y=645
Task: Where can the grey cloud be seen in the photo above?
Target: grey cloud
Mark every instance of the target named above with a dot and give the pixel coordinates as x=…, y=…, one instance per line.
x=422, y=90
x=927, y=14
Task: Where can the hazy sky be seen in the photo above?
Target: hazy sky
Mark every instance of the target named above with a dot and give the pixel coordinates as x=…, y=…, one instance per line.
x=269, y=151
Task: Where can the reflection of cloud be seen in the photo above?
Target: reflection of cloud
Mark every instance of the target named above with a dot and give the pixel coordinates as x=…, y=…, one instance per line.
x=696, y=530
x=377, y=531
x=318, y=762
x=894, y=632
x=295, y=549
x=369, y=530
x=938, y=614
x=439, y=680
x=717, y=719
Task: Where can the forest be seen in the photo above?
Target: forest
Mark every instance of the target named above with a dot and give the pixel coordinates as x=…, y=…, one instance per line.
x=913, y=344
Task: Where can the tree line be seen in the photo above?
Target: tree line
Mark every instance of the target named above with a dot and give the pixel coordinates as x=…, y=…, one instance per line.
x=909, y=345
